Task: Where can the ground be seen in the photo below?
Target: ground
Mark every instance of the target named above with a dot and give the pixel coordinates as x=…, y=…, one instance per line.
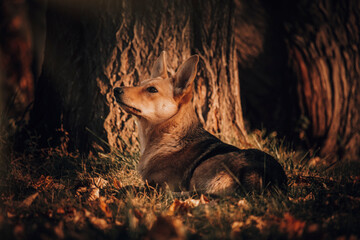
x=53, y=194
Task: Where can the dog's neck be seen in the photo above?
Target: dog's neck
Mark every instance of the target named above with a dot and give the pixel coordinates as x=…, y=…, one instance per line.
x=169, y=132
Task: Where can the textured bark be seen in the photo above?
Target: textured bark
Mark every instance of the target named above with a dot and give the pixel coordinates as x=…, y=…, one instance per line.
x=16, y=78
x=143, y=32
x=323, y=41
x=94, y=46
x=268, y=92
x=217, y=98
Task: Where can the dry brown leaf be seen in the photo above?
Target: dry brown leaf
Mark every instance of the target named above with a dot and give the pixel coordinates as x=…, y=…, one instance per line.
x=19, y=231
x=58, y=186
x=99, y=223
x=204, y=199
x=118, y=223
x=104, y=207
x=259, y=222
x=99, y=182
x=236, y=228
x=292, y=226
x=59, y=230
x=134, y=218
x=60, y=211
x=117, y=184
x=29, y=200
x=50, y=213
x=183, y=207
x=72, y=215
x=167, y=228
x=43, y=182
x=138, y=213
x=94, y=193
x=179, y=206
x=81, y=190
x=192, y=202
x=243, y=204
x=308, y=197
x=10, y=215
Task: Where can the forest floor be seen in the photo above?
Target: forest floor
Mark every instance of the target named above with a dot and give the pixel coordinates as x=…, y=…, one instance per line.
x=52, y=194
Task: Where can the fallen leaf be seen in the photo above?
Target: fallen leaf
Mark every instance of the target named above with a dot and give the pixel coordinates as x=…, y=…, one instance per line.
x=29, y=200
x=104, y=207
x=117, y=184
x=166, y=228
x=204, y=199
x=10, y=215
x=19, y=231
x=243, y=204
x=192, y=202
x=315, y=161
x=138, y=214
x=60, y=211
x=50, y=213
x=81, y=190
x=58, y=186
x=94, y=193
x=183, y=207
x=259, y=222
x=99, y=182
x=86, y=213
x=134, y=218
x=292, y=226
x=43, y=182
x=308, y=197
x=118, y=223
x=99, y=223
x=179, y=206
x=236, y=228
x=59, y=230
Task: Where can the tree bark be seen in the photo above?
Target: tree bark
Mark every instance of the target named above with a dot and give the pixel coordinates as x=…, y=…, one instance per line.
x=323, y=42
x=16, y=78
x=268, y=88
x=217, y=98
x=94, y=46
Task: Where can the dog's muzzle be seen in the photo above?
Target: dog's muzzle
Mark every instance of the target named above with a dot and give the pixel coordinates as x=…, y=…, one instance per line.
x=118, y=92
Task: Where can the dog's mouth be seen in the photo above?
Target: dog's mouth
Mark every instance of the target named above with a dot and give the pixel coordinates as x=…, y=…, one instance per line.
x=129, y=108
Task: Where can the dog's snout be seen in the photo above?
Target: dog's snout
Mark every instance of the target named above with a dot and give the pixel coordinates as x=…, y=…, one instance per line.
x=118, y=91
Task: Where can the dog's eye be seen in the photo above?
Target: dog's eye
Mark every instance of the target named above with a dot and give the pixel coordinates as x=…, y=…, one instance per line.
x=152, y=90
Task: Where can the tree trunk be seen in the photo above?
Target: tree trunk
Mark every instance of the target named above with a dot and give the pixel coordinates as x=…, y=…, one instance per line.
x=94, y=46
x=323, y=41
x=16, y=79
x=217, y=98
x=268, y=92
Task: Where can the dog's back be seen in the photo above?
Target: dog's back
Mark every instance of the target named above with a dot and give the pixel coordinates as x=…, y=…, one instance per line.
x=177, y=151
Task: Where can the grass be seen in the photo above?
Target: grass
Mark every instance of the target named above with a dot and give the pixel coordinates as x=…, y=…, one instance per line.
x=52, y=194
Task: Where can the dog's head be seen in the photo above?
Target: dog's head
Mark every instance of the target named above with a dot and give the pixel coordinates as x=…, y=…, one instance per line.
x=159, y=98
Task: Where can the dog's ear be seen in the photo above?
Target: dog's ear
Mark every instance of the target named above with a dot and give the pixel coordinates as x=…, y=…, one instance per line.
x=184, y=77
x=159, y=69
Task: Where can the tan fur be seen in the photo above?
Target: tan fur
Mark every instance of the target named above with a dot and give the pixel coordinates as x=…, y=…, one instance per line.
x=221, y=183
x=176, y=150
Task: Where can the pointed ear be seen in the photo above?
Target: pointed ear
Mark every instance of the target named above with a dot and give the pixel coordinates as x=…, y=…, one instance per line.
x=159, y=69
x=185, y=75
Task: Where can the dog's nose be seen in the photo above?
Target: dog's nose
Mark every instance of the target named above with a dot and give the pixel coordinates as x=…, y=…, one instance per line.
x=118, y=91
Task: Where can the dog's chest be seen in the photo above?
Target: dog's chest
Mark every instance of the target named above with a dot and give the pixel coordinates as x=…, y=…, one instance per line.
x=162, y=163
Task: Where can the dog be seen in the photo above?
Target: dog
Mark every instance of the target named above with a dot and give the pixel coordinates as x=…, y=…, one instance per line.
x=177, y=152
